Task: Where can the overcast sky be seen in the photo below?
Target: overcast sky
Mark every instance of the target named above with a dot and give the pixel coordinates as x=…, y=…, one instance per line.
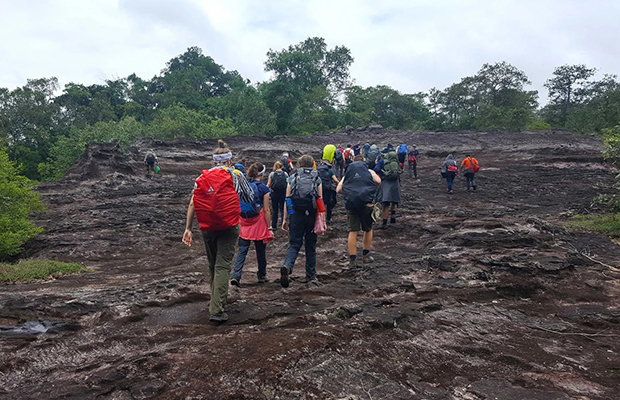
x=410, y=45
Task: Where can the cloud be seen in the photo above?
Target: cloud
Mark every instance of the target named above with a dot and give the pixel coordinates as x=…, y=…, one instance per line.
x=409, y=45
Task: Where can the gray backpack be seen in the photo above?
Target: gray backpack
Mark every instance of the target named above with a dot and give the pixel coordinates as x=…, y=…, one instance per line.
x=305, y=188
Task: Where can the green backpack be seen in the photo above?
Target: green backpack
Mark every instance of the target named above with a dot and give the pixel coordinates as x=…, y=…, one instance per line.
x=391, y=169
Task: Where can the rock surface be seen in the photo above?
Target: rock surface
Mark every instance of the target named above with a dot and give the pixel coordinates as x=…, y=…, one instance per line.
x=471, y=296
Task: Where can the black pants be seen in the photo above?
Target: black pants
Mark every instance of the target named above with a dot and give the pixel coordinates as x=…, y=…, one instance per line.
x=329, y=197
x=277, y=206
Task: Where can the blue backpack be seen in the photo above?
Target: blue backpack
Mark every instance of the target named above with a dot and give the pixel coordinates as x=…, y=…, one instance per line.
x=251, y=210
x=402, y=149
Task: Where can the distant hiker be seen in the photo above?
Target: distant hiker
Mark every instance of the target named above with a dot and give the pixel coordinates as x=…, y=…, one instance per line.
x=348, y=155
x=389, y=191
x=412, y=161
x=216, y=204
x=255, y=219
x=372, y=156
x=356, y=150
x=365, y=150
x=470, y=166
x=449, y=170
x=277, y=183
x=287, y=165
x=402, y=154
x=329, y=181
x=241, y=168
x=303, y=194
x=339, y=162
x=359, y=189
x=328, y=152
x=150, y=159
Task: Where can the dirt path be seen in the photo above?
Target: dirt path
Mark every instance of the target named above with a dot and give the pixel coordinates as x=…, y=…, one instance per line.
x=482, y=296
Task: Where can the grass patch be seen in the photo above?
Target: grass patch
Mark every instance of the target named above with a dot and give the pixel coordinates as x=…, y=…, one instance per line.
x=34, y=270
x=606, y=224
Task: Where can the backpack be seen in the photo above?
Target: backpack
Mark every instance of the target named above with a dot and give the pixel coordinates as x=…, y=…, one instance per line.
x=348, y=156
x=278, y=182
x=338, y=157
x=216, y=201
x=286, y=165
x=372, y=154
x=305, y=188
x=150, y=158
x=474, y=166
x=402, y=149
x=411, y=159
x=391, y=168
x=326, y=178
x=251, y=210
x=358, y=187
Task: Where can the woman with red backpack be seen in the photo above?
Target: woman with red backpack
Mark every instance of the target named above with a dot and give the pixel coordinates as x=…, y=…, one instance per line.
x=470, y=166
x=448, y=171
x=216, y=205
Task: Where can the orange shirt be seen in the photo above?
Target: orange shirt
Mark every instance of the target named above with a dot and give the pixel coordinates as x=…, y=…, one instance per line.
x=466, y=163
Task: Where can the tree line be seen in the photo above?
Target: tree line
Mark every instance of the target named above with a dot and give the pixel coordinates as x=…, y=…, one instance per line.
x=44, y=129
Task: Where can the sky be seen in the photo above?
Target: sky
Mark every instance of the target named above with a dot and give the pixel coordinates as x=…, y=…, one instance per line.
x=410, y=45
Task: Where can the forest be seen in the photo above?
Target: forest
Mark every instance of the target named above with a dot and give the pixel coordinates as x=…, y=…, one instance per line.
x=43, y=128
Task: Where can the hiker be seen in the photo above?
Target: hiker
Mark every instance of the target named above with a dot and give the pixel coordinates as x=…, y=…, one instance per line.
x=348, y=155
x=389, y=192
x=277, y=184
x=338, y=162
x=329, y=182
x=239, y=167
x=365, y=150
x=303, y=199
x=449, y=170
x=469, y=166
x=402, y=154
x=255, y=219
x=218, y=215
x=328, y=152
x=412, y=162
x=150, y=159
x=372, y=155
x=287, y=164
x=357, y=148
x=359, y=189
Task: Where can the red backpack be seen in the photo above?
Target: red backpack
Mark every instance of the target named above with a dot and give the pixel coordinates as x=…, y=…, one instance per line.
x=216, y=201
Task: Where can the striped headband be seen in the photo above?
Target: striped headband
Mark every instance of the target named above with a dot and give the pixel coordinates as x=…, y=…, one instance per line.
x=222, y=158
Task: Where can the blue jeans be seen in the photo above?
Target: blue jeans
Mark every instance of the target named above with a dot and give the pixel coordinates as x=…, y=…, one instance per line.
x=450, y=178
x=261, y=257
x=301, y=225
x=471, y=180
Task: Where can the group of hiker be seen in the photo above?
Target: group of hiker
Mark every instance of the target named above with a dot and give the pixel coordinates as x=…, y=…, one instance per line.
x=232, y=207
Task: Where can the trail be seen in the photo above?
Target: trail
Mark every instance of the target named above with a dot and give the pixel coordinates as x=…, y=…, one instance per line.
x=471, y=296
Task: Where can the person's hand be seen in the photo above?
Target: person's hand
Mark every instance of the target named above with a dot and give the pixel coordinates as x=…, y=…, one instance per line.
x=187, y=237
x=284, y=226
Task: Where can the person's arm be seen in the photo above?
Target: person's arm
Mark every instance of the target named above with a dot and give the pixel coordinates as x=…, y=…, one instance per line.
x=269, y=182
x=375, y=177
x=320, y=190
x=339, y=188
x=335, y=179
x=267, y=209
x=187, y=235
x=284, y=217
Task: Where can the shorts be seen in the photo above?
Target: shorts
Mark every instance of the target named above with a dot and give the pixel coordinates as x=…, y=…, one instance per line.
x=360, y=220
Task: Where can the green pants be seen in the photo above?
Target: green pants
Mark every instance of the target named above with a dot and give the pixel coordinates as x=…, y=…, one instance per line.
x=221, y=247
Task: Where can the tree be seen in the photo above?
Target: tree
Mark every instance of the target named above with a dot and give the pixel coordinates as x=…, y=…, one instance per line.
x=17, y=201
x=568, y=87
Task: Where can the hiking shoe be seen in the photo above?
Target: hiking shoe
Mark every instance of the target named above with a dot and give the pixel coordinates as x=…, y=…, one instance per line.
x=382, y=227
x=284, y=272
x=352, y=264
x=313, y=282
x=368, y=259
x=219, y=317
x=450, y=191
x=235, y=282
x=392, y=220
x=262, y=279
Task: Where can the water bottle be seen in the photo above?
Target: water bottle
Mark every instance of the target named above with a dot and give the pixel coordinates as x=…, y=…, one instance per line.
x=290, y=209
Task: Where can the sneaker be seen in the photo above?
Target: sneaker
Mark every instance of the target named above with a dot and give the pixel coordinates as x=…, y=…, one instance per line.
x=313, y=282
x=450, y=191
x=219, y=317
x=368, y=259
x=284, y=272
x=262, y=279
x=352, y=263
x=235, y=282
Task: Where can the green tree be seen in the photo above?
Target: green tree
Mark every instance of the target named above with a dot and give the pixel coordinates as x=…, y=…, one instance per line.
x=17, y=201
x=567, y=88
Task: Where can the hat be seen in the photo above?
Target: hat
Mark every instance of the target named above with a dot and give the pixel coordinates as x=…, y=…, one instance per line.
x=240, y=167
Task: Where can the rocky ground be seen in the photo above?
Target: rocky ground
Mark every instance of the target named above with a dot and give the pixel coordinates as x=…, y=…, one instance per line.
x=481, y=296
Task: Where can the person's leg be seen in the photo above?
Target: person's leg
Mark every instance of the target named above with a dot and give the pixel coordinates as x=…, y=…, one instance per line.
x=352, y=243
x=310, y=238
x=261, y=258
x=393, y=213
x=295, y=239
x=211, y=248
x=274, y=211
x=473, y=181
x=244, y=246
x=415, y=170
x=449, y=179
x=226, y=243
x=367, y=240
x=384, y=215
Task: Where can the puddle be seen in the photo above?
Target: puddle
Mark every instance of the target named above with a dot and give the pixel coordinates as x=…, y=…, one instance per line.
x=37, y=328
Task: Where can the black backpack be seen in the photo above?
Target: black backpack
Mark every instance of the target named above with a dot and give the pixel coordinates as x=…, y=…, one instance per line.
x=150, y=158
x=305, y=188
x=358, y=188
x=338, y=158
x=326, y=179
x=278, y=182
x=286, y=166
